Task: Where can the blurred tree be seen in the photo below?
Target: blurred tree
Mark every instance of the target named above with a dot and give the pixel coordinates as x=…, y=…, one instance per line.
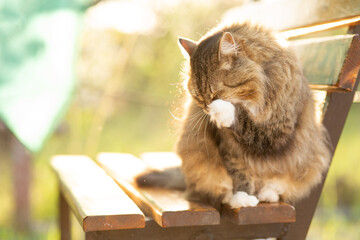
x=37, y=49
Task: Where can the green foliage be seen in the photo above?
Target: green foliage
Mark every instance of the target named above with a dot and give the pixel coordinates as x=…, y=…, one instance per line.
x=337, y=216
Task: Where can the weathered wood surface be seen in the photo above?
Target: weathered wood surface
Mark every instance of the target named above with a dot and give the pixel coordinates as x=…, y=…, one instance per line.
x=351, y=67
x=169, y=208
x=96, y=200
x=225, y=231
x=261, y=214
x=330, y=63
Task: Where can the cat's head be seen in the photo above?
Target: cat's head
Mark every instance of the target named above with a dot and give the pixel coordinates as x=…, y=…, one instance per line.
x=222, y=67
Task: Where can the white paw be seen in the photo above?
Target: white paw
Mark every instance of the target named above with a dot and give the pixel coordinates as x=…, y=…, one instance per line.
x=222, y=112
x=268, y=195
x=242, y=199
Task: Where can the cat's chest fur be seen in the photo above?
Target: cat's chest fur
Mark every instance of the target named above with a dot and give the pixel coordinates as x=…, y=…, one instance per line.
x=245, y=137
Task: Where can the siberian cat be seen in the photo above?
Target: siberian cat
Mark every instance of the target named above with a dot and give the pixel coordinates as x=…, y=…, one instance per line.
x=250, y=132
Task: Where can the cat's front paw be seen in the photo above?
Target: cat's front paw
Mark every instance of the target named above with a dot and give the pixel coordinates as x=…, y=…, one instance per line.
x=222, y=113
x=242, y=199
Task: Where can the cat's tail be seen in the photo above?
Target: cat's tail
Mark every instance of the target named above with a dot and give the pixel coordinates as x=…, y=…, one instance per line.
x=170, y=178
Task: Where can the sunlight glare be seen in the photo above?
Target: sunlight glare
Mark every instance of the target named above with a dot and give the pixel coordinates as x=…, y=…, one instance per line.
x=128, y=17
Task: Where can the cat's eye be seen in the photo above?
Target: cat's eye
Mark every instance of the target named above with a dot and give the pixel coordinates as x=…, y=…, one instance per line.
x=236, y=84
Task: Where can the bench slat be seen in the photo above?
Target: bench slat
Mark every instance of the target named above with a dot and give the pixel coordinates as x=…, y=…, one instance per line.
x=226, y=230
x=167, y=207
x=330, y=63
x=96, y=200
x=314, y=29
x=263, y=213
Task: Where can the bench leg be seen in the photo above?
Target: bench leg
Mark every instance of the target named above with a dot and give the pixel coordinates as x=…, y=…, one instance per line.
x=64, y=218
x=304, y=214
x=90, y=236
x=21, y=161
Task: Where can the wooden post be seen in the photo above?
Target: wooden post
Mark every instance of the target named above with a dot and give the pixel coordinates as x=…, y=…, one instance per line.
x=64, y=218
x=334, y=121
x=21, y=162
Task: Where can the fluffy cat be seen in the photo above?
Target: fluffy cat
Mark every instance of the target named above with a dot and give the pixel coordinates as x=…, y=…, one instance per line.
x=250, y=132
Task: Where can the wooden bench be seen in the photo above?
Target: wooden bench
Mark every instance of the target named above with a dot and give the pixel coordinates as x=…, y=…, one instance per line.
x=115, y=208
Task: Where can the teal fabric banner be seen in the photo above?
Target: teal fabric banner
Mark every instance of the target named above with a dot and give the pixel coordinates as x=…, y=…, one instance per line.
x=37, y=52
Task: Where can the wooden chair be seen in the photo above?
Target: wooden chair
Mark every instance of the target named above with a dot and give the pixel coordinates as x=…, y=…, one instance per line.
x=107, y=211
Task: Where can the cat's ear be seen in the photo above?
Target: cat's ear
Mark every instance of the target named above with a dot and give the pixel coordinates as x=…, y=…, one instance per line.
x=187, y=45
x=227, y=45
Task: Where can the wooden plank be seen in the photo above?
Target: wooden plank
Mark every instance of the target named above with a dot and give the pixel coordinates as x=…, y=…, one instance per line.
x=169, y=208
x=330, y=63
x=314, y=29
x=225, y=231
x=327, y=88
x=355, y=29
x=351, y=66
x=96, y=200
x=261, y=214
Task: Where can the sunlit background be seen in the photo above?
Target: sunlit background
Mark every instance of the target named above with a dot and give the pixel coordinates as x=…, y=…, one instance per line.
x=104, y=76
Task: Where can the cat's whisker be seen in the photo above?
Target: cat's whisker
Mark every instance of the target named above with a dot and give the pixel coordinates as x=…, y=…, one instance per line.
x=198, y=119
x=201, y=123
x=195, y=115
x=176, y=118
x=205, y=128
